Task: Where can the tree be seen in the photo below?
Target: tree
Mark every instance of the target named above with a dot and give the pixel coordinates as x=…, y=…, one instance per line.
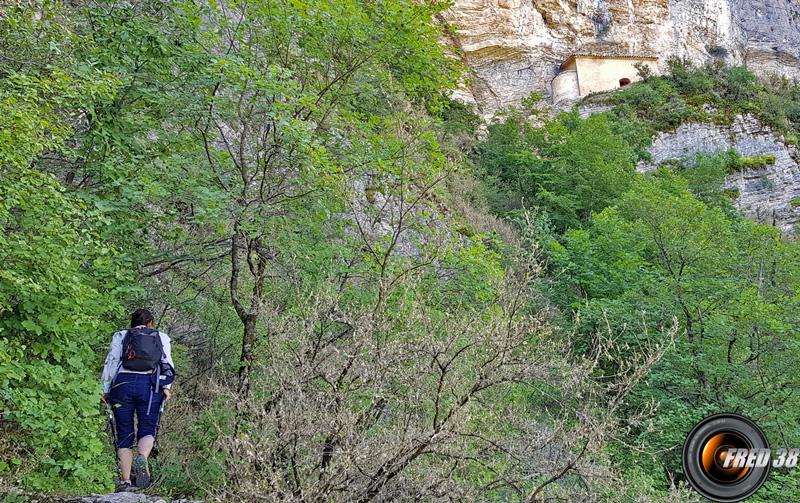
x=642, y=263
x=279, y=84
x=570, y=168
x=57, y=290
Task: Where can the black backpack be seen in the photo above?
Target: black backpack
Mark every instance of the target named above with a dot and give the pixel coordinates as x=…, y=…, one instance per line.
x=141, y=349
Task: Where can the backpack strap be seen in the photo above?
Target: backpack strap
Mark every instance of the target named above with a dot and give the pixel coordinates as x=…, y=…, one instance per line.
x=156, y=385
x=126, y=339
x=160, y=342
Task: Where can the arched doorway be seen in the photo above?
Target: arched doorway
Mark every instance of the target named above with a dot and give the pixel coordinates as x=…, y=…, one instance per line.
x=624, y=82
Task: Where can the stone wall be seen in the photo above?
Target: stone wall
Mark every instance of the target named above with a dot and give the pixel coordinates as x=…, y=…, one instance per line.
x=602, y=74
x=565, y=86
x=765, y=194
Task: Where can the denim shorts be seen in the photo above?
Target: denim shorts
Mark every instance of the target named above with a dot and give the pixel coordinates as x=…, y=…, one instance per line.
x=131, y=395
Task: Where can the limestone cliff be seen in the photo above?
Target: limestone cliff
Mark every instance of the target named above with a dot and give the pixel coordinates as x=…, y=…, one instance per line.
x=514, y=47
x=767, y=194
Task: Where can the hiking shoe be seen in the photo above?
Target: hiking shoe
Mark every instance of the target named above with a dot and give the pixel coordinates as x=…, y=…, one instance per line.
x=141, y=471
x=124, y=487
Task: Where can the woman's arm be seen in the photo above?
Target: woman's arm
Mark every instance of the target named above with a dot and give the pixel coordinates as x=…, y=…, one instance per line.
x=113, y=361
x=166, y=344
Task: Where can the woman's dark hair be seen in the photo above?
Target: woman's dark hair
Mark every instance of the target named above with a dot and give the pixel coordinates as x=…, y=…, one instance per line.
x=141, y=317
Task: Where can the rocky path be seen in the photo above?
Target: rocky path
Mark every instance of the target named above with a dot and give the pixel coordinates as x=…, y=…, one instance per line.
x=108, y=498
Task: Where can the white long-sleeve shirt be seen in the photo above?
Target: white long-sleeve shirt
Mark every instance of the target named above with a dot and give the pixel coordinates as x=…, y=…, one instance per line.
x=113, y=364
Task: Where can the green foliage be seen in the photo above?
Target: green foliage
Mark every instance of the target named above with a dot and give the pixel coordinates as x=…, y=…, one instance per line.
x=15, y=497
x=668, y=248
x=657, y=102
x=57, y=288
x=58, y=284
x=682, y=95
x=705, y=176
x=755, y=162
x=781, y=485
x=458, y=125
x=130, y=141
x=531, y=103
x=188, y=464
x=732, y=193
x=643, y=71
x=643, y=263
x=146, y=146
x=570, y=168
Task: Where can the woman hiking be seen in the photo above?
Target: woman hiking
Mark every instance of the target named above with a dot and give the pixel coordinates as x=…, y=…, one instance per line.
x=136, y=379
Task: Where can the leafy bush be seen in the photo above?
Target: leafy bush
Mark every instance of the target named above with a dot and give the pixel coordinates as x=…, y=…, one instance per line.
x=670, y=247
x=569, y=168
x=739, y=163
x=666, y=101
x=56, y=291
x=731, y=193
x=284, y=192
x=642, y=263
x=458, y=123
x=741, y=85
x=58, y=286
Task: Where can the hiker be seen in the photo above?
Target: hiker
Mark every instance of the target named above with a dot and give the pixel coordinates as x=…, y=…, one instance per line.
x=136, y=380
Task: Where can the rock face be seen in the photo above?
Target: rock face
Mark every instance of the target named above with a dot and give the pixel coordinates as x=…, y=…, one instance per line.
x=765, y=194
x=514, y=47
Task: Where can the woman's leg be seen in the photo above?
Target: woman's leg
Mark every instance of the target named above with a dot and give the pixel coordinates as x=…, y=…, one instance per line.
x=123, y=408
x=125, y=462
x=147, y=411
x=145, y=445
x=146, y=424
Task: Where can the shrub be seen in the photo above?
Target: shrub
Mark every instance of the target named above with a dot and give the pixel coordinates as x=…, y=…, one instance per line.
x=732, y=193
x=666, y=101
x=570, y=168
x=643, y=71
x=752, y=162
x=458, y=122
x=740, y=84
x=57, y=294
x=50, y=322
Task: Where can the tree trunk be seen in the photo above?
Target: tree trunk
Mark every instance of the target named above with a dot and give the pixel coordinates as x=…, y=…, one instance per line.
x=246, y=358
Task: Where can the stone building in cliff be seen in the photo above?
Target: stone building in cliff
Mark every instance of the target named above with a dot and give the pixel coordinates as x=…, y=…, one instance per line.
x=585, y=73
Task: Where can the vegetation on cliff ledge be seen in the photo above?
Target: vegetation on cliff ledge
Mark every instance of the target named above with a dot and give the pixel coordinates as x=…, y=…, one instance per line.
x=711, y=93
